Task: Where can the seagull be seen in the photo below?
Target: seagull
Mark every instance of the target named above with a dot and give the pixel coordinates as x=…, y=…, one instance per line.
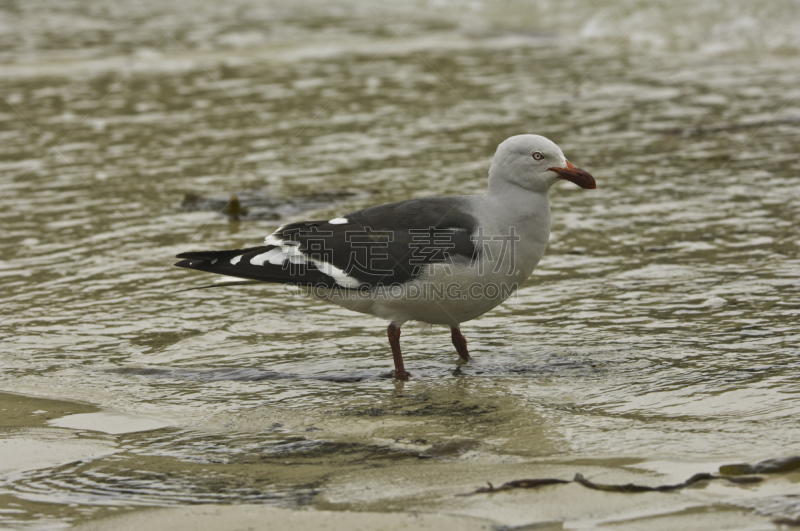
x=436, y=260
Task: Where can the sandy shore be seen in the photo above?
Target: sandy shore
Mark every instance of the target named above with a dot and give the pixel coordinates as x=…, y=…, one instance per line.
x=229, y=517
x=47, y=434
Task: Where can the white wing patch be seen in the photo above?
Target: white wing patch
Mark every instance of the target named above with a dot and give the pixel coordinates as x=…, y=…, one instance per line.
x=236, y=259
x=341, y=278
x=225, y=279
x=274, y=256
x=273, y=240
x=339, y=221
x=291, y=251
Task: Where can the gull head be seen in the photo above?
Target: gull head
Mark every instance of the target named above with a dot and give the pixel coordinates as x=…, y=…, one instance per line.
x=534, y=163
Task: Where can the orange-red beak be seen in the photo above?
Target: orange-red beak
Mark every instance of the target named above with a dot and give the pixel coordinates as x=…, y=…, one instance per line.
x=576, y=175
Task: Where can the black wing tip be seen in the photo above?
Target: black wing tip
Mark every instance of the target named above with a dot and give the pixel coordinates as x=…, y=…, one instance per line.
x=227, y=253
x=198, y=255
x=199, y=264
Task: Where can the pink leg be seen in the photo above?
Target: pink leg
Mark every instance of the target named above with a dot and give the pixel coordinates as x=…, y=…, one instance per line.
x=394, y=340
x=460, y=342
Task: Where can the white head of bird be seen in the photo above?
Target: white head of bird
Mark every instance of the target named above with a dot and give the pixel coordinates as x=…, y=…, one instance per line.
x=533, y=163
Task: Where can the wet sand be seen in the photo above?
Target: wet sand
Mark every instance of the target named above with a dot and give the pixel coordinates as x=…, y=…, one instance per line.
x=192, y=518
x=425, y=486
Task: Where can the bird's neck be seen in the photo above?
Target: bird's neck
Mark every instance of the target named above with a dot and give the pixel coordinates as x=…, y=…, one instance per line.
x=527, y=211
x=518, y=202
x=522, y=216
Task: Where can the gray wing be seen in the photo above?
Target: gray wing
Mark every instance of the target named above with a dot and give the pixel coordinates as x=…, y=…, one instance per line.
x=383, y=245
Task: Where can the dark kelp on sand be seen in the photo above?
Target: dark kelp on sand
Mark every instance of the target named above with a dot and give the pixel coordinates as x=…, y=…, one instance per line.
x=627, y=488
x=737, y=473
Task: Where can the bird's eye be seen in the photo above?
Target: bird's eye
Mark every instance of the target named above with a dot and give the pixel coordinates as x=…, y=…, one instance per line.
x=537, y=156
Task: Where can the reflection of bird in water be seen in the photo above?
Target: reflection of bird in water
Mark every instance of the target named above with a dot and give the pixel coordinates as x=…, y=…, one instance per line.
x=438, y=260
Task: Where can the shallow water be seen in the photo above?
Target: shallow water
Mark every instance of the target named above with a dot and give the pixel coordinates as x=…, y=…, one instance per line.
x=657, y=338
